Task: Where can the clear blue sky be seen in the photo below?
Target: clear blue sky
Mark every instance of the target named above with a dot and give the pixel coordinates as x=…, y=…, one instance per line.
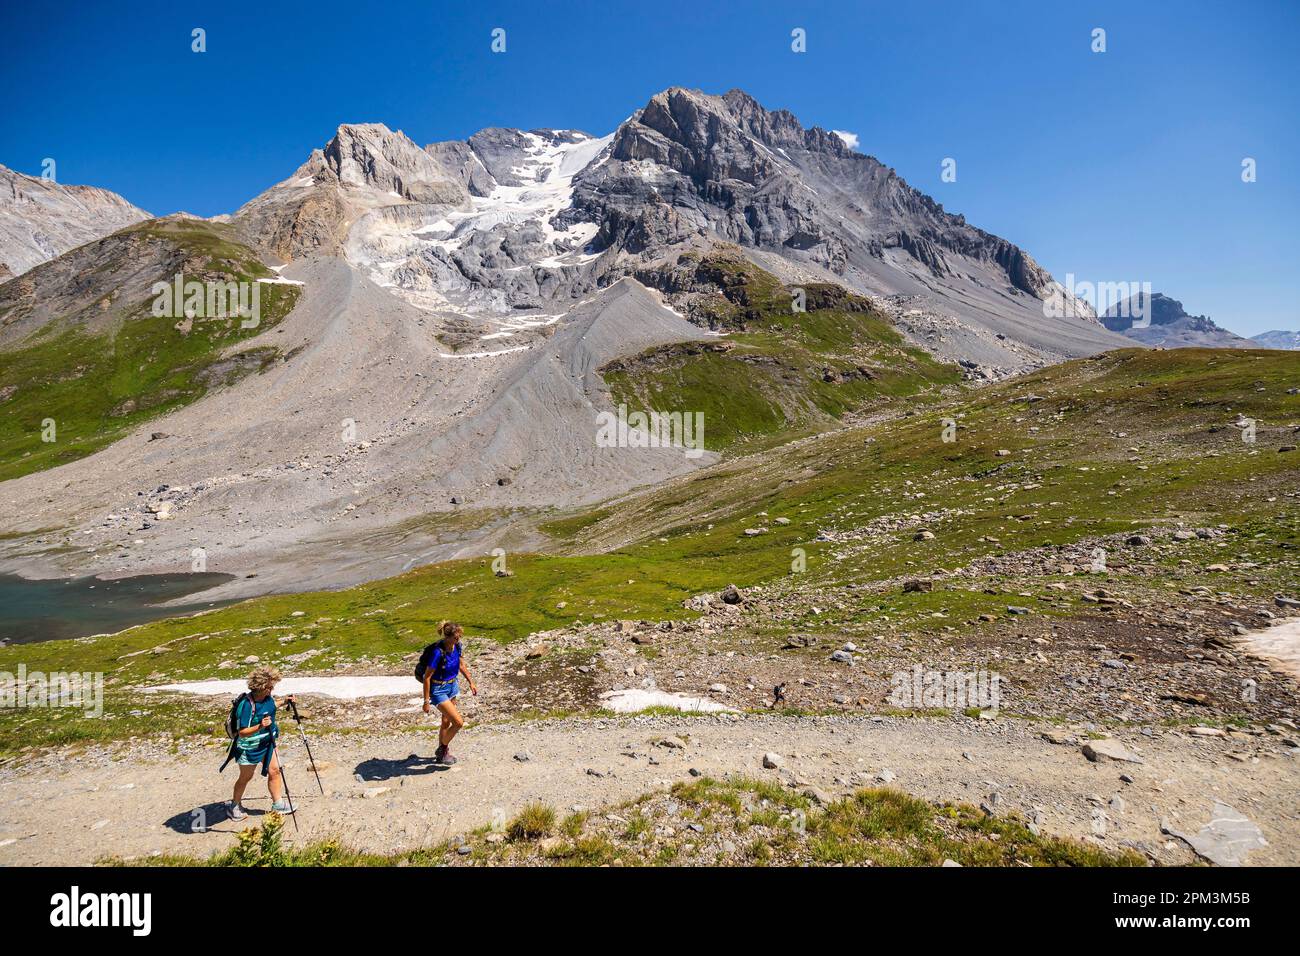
x=1115, y=166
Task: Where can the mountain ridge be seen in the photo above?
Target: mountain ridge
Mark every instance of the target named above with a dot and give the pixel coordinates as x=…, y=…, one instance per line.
x=41, y=219
x=1156, y=319
x=511, y=219
x=1277, y=339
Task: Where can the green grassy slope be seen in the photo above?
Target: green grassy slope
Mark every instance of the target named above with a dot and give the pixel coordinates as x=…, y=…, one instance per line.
x=1127, y=440
x=98, y=382
x=778, y=372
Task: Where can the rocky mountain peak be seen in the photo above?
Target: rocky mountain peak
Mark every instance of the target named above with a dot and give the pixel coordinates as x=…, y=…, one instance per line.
x=512, y=219
x=1158, y=319
x=41, y=219
x=692, y=117
x=1159, y=308
x=371, y=155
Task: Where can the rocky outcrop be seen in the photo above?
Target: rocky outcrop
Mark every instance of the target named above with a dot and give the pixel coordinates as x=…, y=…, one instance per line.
x=690, y=163
x=363, y=167
x=40, y=219
x=371, y=156
x=461, y=164
x=513, y=220
x=1158, y=320
x=94, y=287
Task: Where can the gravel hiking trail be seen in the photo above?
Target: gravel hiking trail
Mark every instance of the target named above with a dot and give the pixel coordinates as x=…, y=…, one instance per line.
x=383, y=794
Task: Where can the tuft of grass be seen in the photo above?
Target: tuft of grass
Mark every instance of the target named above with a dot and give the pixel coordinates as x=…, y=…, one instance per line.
x=873, y=826
x=534, y=821
x=886, y=827
x=571, y=826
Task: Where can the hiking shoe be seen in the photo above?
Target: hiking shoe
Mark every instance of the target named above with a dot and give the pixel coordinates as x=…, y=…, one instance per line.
x=234, y=810
x=440, y=754
x=447, y=759
x=282, y=806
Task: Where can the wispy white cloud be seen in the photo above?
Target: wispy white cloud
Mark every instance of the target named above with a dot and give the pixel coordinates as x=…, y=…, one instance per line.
x=850, y=139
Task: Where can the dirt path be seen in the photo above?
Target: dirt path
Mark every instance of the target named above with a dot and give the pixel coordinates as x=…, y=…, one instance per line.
x=61, y=811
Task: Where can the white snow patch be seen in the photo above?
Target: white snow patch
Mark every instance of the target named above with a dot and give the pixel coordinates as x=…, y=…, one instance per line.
x=633, y=701
x=1280, y=643
x=442, y=225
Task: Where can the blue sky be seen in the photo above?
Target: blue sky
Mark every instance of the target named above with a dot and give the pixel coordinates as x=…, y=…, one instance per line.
x=1115, y=166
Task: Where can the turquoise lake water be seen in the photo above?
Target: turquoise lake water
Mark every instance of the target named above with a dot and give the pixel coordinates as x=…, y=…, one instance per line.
x=49, y=609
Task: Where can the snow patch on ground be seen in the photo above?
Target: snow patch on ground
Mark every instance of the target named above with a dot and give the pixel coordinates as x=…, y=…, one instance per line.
x=1280, y=643
x=633, y=701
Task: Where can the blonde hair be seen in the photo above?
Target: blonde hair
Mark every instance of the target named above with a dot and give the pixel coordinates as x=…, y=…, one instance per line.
x=263, y=678
x=450, y=629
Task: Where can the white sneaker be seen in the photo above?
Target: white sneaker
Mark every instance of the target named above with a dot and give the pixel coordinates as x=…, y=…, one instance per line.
x=234, y=810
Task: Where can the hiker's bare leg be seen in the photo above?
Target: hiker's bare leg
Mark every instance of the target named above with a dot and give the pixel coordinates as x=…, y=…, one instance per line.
x=274, y=780
x=241, y=782
x=452, y=722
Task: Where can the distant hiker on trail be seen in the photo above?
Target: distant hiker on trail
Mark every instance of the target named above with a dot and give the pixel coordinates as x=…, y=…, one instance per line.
x=253, y=732
x=439, y=669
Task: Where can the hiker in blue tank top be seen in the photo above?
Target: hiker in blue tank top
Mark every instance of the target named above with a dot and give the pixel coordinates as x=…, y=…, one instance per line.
x=439, y=671
x=254, y=742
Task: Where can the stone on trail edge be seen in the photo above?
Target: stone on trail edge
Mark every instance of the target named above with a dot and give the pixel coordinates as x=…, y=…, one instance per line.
x=1226, y=839
x=1109, y=749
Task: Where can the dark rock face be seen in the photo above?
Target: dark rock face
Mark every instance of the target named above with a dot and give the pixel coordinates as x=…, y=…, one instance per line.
x=724, y=165
x=461, y=164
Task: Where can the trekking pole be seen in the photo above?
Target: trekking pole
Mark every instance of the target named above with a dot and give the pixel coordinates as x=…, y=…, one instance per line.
x=284, y=779
x=293, y=709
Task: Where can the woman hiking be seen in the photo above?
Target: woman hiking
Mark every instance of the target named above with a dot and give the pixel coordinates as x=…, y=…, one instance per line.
x=439, y=671
x=255, y=741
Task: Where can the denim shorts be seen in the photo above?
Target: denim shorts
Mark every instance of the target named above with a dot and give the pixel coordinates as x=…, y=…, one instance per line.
x=438, y=693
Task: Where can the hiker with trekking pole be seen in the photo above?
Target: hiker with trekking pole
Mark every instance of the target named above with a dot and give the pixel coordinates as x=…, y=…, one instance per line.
x=297, y=719
x=253, y=733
